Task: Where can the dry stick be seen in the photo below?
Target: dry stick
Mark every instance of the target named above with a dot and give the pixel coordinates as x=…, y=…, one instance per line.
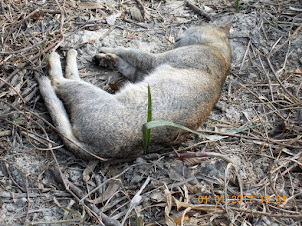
x=226, y=188
x=183, y=215
x=242, y=136
x=289, y=39
x=28, y=201
x=34, y=136
x=23, y=49
x=254, y=212
x=293, y=98
x=95, y=213
x=286, y=57
x=134, y=22
x=265, y=103
x=76, y=221
x=20, y=127
x=5, y=133
x=12, y=179
x=211, y=154
x=238, y=178
x=78, y=195
x=291, y=198
x=62, y=17
x=268, y=78
x=255, y=95
x=245, y=54
x=198, y=10
x=61, y=24
x=98, y=181
x=23, y=65
x=95, y=189
x=19, y=23
x=200, y=154
x=136, y=199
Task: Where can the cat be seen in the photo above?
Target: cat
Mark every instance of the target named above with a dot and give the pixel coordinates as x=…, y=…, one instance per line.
x=185, y=84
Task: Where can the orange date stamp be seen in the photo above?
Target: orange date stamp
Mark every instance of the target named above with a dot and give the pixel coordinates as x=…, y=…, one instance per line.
x=205, y=199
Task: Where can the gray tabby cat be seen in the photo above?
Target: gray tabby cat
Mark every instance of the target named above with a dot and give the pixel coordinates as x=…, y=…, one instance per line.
x=185, y=84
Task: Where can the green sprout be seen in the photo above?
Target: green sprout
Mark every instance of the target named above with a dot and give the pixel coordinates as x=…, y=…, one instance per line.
x=147, y=133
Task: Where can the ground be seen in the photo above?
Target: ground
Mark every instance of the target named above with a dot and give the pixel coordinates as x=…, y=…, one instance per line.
x=253, y=173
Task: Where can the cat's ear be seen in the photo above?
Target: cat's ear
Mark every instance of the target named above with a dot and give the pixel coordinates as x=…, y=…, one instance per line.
x=227, y=24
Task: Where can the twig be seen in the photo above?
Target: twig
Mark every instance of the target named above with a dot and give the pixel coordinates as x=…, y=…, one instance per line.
x=198, y=10
x=28, y=200
x=254, y=212
x=19, y=23
x=287, y=40
x=23, y=49
x=255, y=95
x=268, y=78
x=199, y=155
x=78, y=194
x=134, y=22
x=12, y=179
x=95, y=189
x=293, y=98
x=227, y=170
x=23, y=65
x=183, y=216
x=245, y=54
x=136, y=199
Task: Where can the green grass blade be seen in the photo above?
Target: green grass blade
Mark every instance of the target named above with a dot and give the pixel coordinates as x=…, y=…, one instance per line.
x=149, y=105
x=147, y=133
x=237, y=6
x=157, y=123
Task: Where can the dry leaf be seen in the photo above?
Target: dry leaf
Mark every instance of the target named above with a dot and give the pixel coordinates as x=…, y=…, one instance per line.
x=129, y=35
x=157, y=197
x=178, y=220
x=168, y=220
x=112, y=18
x=89, y=169
x=113, y=186
x=298, y=71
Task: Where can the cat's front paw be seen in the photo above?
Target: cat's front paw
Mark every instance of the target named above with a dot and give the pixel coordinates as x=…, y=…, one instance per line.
x=106, y=60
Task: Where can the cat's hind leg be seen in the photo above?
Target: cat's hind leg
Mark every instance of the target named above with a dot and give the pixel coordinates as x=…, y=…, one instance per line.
x=56, y=107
